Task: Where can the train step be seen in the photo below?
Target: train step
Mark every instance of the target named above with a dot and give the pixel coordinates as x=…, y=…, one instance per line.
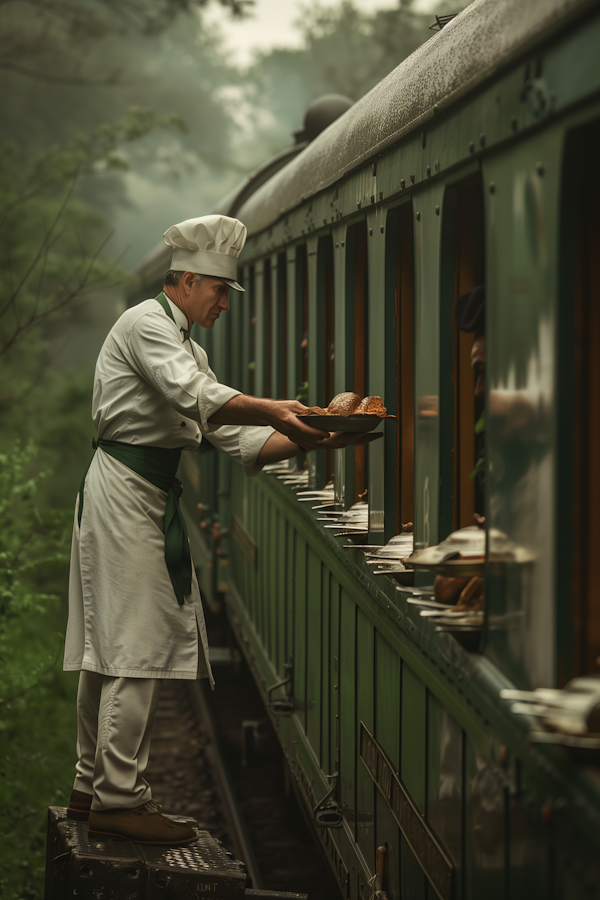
x=92, y=870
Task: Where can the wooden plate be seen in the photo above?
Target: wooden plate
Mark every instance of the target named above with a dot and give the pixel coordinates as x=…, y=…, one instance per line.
x=342, y=423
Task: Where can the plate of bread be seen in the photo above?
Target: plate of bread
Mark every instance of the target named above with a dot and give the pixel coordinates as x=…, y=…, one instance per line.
x=348, y=412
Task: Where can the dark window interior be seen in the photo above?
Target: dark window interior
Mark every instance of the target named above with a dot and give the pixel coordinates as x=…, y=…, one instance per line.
x=579, y=472
x=361, y=342
x=282, y=320
x=463, y=262
x=268, y=328
x=327, y=295
x=405, y=365
x=251, y=333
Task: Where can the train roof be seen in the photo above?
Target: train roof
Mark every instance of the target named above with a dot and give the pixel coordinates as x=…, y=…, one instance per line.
x=483, y=39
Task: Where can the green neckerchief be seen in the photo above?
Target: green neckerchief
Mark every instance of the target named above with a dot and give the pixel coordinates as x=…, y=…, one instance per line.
x=158, y=465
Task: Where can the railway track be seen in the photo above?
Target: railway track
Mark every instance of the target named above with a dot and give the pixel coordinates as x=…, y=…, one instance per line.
x=215, y=758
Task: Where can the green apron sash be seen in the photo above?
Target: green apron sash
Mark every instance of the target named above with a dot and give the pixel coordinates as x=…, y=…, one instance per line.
x=158, y=465
x=165, y=305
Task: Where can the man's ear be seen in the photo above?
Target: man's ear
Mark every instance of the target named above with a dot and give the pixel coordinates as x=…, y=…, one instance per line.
x=187, y=281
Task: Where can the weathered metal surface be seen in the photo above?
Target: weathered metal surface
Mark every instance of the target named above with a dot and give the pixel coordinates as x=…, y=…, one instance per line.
x=434, y=728
x=426, y=849
x=483, y=39
x=244, y=540
x=521, y=346
x=113, y=870
x=445, y=782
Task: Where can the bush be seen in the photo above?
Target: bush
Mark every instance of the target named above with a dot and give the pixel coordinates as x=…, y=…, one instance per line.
x=37, y=701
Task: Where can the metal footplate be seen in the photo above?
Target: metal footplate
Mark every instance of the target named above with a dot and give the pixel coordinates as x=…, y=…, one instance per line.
x=77, y=867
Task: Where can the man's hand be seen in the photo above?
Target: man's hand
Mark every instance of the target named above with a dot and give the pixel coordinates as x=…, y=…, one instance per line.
x=279, y=447
x=284, y=417
x=339, y=439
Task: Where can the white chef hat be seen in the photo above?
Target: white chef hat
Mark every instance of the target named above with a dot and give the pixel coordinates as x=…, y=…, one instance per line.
x=208, y=245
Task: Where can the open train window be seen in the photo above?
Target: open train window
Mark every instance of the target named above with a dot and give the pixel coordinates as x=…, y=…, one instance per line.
x=328, y=348
x=302, y=288
x=404, y=302
x=357, y=249
x=321, y=348
x=267, y=329
x=249, y=335
x=280, y=328
x=462, y=351
x=578, y=344
x=297, y=325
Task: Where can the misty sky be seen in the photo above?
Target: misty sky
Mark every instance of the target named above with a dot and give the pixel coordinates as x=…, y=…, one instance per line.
x=272, y=25
x=154, y=206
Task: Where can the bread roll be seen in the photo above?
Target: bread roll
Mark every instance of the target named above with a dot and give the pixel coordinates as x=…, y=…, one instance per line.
x=448, y=590
x=371, y=406
x=343, y=404
x=471, y=596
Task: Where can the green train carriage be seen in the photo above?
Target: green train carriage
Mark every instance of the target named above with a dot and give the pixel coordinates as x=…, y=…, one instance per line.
x=472, y=163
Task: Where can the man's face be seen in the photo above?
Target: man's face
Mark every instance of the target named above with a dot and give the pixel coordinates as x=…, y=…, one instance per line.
x=207, y=300
x=478, y=365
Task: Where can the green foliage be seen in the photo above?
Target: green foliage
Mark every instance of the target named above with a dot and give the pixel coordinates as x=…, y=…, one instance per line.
x=36, y=728
x=51, y=254
x=302, y=394
x=27, y=542
x=51, y=242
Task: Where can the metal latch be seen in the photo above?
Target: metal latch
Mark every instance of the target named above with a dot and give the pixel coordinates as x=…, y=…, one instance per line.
x=282, y=706
x=539, y=99
x=327, y=813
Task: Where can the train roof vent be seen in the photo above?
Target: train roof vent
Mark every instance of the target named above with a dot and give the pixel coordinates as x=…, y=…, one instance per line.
x=320, y=114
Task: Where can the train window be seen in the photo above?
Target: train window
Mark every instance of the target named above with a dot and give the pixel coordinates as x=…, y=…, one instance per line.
x=462, y=348
x=579, y=407
x=280, y=328
x=320, y=344
x=405, y=365
x=302, y=288
x=236, y=329
x=357, y=245
x=296, y=325
x=267, y=330
x=249, y=334
x=326, y=302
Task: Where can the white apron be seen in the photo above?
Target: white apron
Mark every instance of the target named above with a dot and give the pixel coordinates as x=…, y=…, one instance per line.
x=124, y=619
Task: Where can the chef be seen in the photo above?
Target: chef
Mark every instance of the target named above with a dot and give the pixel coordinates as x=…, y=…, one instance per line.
x=135, y=614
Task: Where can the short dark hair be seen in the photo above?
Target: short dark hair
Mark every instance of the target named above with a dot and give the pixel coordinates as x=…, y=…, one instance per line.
x=174, y=276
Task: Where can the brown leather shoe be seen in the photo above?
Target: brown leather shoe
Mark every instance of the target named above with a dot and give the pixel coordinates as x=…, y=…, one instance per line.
x=79, y=806
x=142, y=825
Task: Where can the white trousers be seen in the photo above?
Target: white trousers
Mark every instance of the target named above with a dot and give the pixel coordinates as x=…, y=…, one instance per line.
x=114, y=722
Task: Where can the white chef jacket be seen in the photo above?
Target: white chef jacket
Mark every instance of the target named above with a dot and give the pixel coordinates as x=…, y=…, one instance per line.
x=152, y=387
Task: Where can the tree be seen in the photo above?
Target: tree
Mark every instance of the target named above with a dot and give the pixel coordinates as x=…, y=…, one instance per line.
x=49, y=40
